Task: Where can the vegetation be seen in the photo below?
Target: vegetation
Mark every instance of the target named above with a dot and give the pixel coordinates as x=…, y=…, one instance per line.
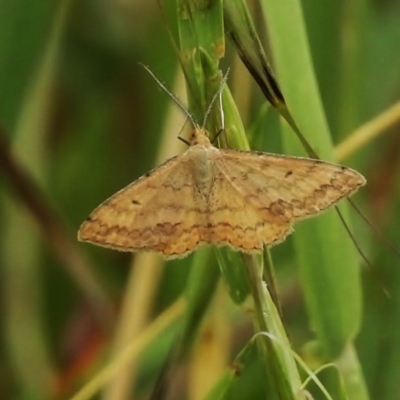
x=80, y=118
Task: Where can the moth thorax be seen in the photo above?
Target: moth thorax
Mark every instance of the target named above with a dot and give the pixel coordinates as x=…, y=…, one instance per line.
x=203, y=170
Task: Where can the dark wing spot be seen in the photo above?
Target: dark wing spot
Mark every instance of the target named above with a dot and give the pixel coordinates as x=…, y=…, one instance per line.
x=135, y=202
x=288, y=173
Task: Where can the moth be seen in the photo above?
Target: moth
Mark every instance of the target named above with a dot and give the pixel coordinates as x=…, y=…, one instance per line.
x=240, y=199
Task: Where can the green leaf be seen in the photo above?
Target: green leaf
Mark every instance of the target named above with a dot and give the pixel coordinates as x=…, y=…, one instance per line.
x=327, y=259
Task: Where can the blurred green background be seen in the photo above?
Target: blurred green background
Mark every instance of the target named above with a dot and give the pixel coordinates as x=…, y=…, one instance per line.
x=83, y=119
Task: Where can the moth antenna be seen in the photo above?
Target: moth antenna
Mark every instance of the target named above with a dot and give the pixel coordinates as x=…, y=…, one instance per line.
x=171, y=95
x=184, y=140
x=217, y=94
x=215, y=138
x=179, y=134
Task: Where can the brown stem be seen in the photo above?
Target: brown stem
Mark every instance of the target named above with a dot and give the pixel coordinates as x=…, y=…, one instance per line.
x=56, y=234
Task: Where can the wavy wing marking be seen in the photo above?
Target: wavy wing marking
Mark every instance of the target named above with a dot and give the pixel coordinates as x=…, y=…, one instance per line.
x=281, y=190
x=157, y=212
